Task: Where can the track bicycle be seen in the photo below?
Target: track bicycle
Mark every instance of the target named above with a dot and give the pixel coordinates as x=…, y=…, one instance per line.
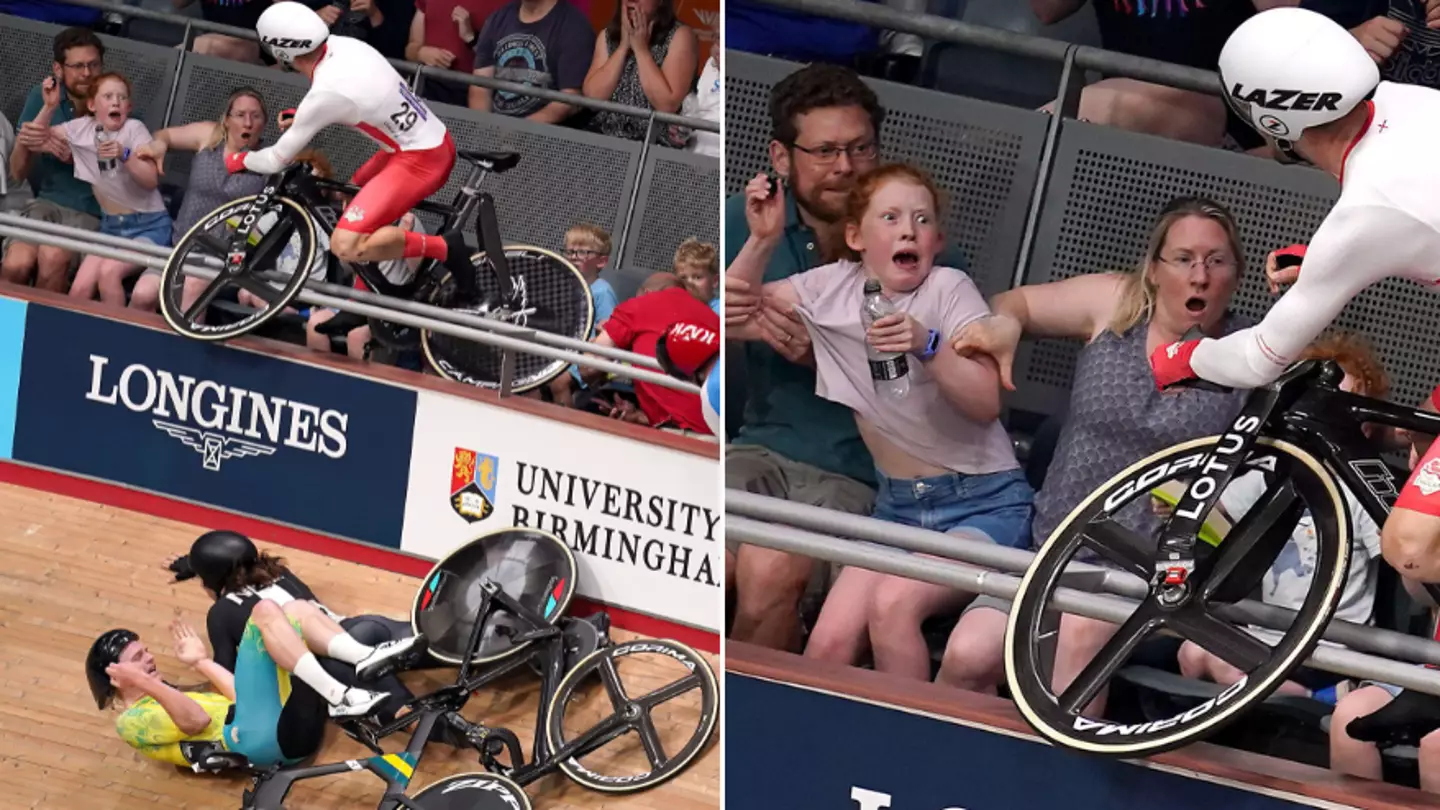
x=264, y=243
x=483, y=607
x=1303, y=434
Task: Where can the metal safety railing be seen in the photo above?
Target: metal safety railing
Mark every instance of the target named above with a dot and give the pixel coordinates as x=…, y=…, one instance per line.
x=418, y=74
x=507, y=337
x=980, y=566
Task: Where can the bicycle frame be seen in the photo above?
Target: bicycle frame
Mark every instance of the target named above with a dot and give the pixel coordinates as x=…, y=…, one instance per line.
x=396, y=770
x=309, y=191
x=1307, y=408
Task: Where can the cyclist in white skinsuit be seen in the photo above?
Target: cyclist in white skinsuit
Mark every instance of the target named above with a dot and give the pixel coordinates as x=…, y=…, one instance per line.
x=1306, y=83
x=353, y=85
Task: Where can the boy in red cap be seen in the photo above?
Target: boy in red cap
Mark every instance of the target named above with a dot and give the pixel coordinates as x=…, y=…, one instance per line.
x=641, y=324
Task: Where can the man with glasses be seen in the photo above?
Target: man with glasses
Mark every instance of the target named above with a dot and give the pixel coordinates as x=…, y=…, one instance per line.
x=792, y=444
x=45, y=162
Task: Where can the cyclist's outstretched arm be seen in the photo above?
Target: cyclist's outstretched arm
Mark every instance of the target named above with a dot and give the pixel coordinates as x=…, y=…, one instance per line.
x=318, y=110
x=1357, y=246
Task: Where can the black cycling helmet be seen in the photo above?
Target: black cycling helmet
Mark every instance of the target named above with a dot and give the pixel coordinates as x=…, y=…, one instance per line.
x=105, y=651
x=216, y=555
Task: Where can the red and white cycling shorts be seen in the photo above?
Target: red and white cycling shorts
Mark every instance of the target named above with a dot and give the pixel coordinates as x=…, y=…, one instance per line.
x=392, y=183
x=1421, y=492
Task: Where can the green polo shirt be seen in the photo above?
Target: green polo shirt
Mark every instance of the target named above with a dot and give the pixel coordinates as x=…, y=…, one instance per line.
x=781, y=410
x=50, y=178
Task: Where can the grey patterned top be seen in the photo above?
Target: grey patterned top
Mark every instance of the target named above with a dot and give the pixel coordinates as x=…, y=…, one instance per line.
x=1117, y=417
x=211, y=185
x=629, y=92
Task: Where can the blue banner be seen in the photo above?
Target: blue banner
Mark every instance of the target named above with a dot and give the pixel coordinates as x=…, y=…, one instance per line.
x=217, y=425
x=802, y=749
x=12, y=347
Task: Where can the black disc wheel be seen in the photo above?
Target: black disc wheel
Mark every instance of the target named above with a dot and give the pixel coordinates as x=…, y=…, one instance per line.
x=548, y=295
x=638, y=713
x=1109, y=528
x=534, y=568
x=279, y=256
x=472, y=791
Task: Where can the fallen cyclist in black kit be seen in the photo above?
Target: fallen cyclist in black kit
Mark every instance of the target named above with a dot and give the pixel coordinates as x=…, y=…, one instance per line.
x=362, y=653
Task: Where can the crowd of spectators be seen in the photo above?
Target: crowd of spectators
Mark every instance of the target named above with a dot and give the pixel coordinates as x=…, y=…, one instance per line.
x=643, y=56
x=88, y=164
x=807, y=423
x=1402, y=36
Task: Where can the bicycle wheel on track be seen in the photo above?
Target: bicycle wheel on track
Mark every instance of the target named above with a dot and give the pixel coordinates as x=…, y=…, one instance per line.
x=1101, y=527
x=533, y=567
x=549, y=295
x=625, y=713
x=472, y=791
x=282, y=241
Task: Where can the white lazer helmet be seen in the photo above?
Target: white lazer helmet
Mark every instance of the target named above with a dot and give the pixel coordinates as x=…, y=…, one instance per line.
x=289, y=29
x=1288, y=69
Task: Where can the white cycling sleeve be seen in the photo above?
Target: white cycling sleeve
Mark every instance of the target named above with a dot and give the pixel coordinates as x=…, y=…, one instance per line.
x=319, y=109
x=1356, y=246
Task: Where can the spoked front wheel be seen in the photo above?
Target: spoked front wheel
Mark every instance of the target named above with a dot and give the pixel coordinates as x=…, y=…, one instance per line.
x=639, y=712
x=282, y=243
x=1295, y=485
x=548, y=294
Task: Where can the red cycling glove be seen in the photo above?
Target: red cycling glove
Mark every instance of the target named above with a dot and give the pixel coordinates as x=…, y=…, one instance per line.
x=236, y=162
x=1171, y=363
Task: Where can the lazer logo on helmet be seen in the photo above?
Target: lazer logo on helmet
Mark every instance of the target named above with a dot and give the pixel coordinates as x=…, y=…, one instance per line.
x=283, y=42
x=219, y=421
x=1286, y=99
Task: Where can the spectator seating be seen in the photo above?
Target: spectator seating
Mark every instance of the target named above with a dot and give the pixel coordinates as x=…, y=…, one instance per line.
x=565, y=176
x=1101, y=192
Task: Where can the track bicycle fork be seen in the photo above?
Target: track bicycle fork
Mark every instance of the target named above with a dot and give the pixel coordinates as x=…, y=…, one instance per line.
x=1175, y=551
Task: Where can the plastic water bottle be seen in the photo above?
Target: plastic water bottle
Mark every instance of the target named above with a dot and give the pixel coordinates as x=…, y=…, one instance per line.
x=105, y=165
x=889, y=371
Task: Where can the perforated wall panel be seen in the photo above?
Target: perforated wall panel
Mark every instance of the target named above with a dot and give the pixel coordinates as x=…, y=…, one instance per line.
x=984, y=156
x=680, y=198
x=1108, y=188
x=564, y=176
x=29, y=55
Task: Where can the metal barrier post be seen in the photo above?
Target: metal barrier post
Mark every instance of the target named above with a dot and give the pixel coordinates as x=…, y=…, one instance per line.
x=635, y=188
x=507, y=372
x=1067, y=104
x=185, y=44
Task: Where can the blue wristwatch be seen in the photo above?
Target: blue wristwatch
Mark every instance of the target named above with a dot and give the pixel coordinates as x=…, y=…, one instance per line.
x=932, y=345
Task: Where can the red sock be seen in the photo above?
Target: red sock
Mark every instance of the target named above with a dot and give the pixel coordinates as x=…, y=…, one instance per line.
x=419, y=245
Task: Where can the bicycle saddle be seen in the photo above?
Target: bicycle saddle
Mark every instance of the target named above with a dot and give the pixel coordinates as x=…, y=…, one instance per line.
x=1402, y=721
x=496, y=161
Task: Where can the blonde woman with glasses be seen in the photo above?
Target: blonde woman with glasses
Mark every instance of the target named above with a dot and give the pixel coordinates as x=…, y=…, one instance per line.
x=1186, y=278
x=210, y=185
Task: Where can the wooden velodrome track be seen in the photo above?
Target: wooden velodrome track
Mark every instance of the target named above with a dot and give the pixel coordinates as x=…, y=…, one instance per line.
x=71, y=569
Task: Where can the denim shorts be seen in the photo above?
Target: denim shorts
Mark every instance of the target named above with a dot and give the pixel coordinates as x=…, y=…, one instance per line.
x=1001, y=505
x=154, y=227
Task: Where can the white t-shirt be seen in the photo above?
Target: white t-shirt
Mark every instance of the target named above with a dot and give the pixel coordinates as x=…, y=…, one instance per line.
x=354, y=86
x=705, y=103
x=1386, y=223
x=1288, y=580
x=924, y=423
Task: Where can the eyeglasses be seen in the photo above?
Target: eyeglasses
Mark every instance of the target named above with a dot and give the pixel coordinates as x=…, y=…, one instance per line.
x=581, y=253
x=1215, y=261
x=829, y=152
x=89, y=67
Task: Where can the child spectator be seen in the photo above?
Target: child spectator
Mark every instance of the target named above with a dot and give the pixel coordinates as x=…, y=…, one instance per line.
x=101, y=145
x=588, y=248
x=943, y=460
x=638, y=325
x=697, y=265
